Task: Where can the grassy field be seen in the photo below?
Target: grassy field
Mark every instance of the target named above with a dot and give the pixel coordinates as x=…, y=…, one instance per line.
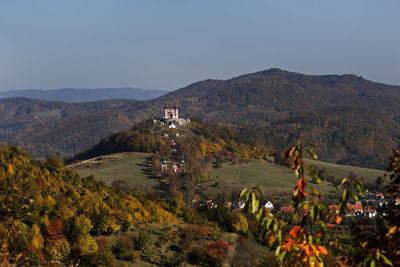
x=132, y=167
x=271, y=178
x=342, y=171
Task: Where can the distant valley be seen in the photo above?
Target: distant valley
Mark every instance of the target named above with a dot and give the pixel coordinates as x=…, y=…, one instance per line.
x=72, y=95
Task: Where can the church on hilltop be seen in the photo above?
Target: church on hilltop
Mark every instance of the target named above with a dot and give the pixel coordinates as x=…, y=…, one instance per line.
x=171, y=118
x=171, y=113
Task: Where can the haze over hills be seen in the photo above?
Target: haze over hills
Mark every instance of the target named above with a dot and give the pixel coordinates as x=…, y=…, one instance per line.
x=72, y=95
x=350, y=119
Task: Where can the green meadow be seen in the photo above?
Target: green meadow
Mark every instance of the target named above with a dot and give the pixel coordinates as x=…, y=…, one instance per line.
x=272, y=178
x=131, y=167
x=134, y=167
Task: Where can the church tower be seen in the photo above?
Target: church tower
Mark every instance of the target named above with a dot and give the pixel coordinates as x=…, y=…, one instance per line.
x=175, y=111
x=166, y=112
x=171, y=113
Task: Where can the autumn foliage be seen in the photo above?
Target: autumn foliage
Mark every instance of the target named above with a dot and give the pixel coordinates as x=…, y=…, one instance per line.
x=49, y=215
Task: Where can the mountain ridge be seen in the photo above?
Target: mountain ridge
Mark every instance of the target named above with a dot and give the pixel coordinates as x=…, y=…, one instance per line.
x=75, y=95
x=252, y=103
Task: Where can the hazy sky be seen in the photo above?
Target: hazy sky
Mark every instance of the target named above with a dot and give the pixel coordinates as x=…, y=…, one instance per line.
x=167, y=44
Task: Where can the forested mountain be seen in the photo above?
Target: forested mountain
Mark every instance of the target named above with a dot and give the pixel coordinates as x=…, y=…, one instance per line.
x=342, y=134
x=73, y=95
x=351, y=120
x=56, y=128
x=276, y=90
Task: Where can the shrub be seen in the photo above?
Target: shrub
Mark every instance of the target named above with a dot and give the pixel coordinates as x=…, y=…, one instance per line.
x=239, y=223
x=141, y=240
x=194, y=232
x=124, y=248
x=216, y=251
x=103, y=256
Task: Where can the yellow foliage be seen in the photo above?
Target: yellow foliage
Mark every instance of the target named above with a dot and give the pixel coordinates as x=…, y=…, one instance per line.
x=85, y=245
x=239, y=223
x=65, y=212
x=49, y=201
x=57, y=251
x=10, y=169
x=84, y=224
x=37, y=240
x=45, y=221
x=108, y=225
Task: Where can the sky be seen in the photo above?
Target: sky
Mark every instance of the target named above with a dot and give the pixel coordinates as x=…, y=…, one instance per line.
x=47, y=44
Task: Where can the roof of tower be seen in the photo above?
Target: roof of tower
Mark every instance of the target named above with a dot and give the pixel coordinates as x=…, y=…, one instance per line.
x=175, y=106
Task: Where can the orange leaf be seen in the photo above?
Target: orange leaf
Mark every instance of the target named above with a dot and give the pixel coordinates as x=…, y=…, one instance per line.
x=338, y=219
x=295, y=230
x=289, y=152
x=323, y=250
x=271, y=239
x=296, y=162
x=307, y=249
x=330, y=225
x=301, y=183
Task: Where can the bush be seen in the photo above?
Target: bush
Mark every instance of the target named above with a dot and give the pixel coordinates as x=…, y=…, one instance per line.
x=239, y=223
x=141, y=240
x=124, y=249
x=194, y=232
x=175, y=260
x=197, y=256
x=103, y=256
x=216, y=252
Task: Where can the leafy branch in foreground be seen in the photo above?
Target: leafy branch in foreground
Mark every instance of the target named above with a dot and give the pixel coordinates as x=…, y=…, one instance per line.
x=302, y=243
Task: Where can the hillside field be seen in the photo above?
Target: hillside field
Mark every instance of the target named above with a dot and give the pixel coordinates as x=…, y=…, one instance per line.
x=133, y=167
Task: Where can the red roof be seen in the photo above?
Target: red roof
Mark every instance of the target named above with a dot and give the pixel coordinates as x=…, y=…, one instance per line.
x=166, y=106
x=373, y=211
x=354, y=206
x=286, y=209
x=175, y=106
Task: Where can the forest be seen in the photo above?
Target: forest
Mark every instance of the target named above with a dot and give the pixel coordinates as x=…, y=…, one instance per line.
x=51, y=215
x=271, y=107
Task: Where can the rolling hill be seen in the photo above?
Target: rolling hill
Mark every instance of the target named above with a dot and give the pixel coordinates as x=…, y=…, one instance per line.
x=134, y=156
x=72, y=95
x=132, y=168
x=350, y=119
x=280, y=91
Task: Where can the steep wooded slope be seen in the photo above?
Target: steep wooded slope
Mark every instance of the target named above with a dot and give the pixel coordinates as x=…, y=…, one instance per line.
x=49, y=214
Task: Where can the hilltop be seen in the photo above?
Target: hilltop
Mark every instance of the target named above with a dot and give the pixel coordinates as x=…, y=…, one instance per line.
x=271, y=107
x=194, y=138
x=278, y=90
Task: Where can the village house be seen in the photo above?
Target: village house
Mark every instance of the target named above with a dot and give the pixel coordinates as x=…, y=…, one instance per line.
x=268, y=205
x=286, y=209
x=355, y=208
x=370, y=213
